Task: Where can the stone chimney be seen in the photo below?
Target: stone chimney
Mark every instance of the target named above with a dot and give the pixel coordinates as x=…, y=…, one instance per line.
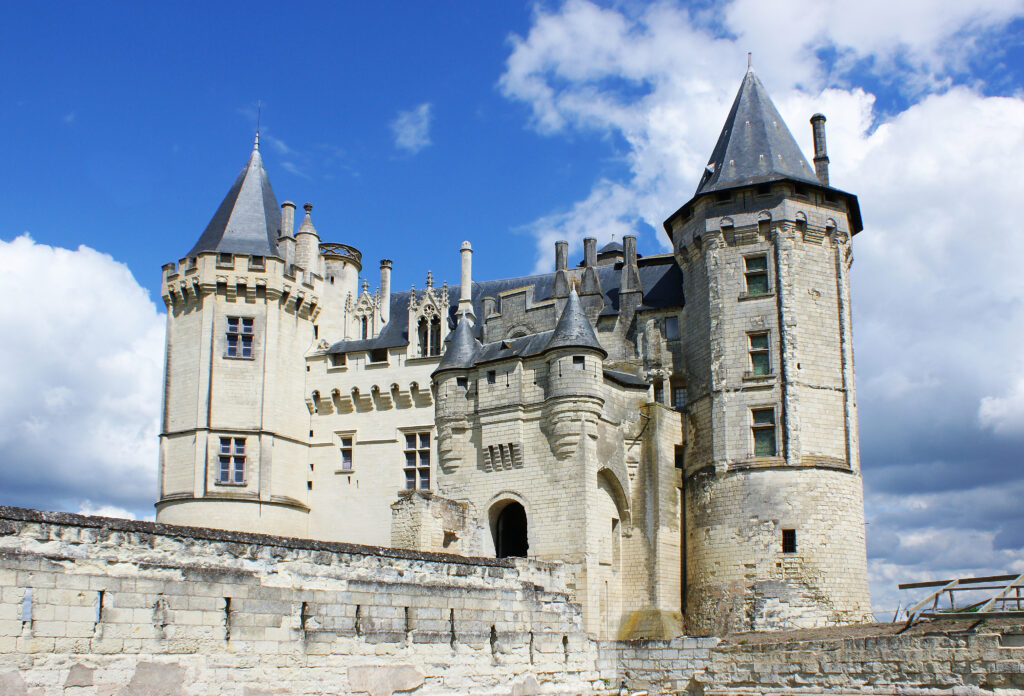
x=630, y=279
x=466, y=282
x=820, y=151
x=561, y=283
x=590, y=285
x=286, y=236
x=385, y=291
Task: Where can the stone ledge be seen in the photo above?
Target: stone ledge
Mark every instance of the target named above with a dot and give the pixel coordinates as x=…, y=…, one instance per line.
x=15, y=514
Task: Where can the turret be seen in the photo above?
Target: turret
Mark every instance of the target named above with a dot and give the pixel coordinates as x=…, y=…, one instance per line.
x=307, y=244
x=233, y=308
x=764, y=246
x=572, y=392
x=452, y=389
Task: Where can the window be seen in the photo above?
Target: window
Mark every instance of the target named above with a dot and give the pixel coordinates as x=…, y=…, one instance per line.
x=579, y=362
x=659, y=392
x=764, y=432
x=417, y=461
x=756, y=272
x=429, y=333
x=239, y=335
x=788, y=541
x=256, y=262
x=232, y=460
x=316, y=331
x=461, y=382
x=364, y=328
x=346, y=454
x=678, y=397
x=760, y=364
x=680, y=458
x=764, y=190
x=337, y=360
x=224, y=260
x=379, y=355
x=492, y=376
x=671, y=328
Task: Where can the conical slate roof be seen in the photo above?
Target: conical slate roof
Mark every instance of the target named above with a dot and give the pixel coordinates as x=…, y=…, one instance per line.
x=755, y=145
x=573, y=329
x=461, y=349
x=248, y=221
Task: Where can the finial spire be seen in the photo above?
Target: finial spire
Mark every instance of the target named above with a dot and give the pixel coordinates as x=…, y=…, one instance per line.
x=259, y=109
x=750, y=61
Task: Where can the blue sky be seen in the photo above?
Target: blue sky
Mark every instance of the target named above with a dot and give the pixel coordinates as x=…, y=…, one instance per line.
x=413, y=126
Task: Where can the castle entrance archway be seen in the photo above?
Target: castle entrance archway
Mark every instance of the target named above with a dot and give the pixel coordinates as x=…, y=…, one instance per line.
x=510, y=531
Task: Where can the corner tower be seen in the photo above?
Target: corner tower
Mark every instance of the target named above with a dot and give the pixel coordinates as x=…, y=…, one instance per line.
x=233, y=441
x=773, y=501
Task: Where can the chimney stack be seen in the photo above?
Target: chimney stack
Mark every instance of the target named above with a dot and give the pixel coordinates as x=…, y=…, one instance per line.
x=630, y=281
x=590, y=285
x=561, y=283
x=466, y=282
x=286, y=237
x=385, y=291
x=820, y=151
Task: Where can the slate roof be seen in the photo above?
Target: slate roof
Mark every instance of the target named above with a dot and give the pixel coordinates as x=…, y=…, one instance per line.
x=660, y=276
x=573, y=329
x=755, y=145
x=462, y=347
x=248, y=220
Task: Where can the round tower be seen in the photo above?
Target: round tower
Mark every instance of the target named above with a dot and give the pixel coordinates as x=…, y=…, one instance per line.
x=773, y=507
x=233, y=452
x=453, y=401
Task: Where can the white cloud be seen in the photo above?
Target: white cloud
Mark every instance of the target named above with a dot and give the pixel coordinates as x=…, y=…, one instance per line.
x=80, y=392
x=89, y=508
x=938, y=300
x=412, y=128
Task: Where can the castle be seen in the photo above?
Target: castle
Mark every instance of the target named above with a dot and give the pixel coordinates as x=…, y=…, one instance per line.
x=678, y=430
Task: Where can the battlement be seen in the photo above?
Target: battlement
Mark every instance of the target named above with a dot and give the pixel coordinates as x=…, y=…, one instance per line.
x=241, y=275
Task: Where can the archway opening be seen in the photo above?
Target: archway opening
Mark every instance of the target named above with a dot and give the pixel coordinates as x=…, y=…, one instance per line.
x=510, y=532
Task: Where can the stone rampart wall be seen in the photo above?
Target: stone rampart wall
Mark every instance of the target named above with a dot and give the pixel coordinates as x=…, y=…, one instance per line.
x=99, y=607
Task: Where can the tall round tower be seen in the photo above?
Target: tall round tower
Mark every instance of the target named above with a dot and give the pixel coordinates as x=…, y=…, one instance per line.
x=233, y=450
x=774, y=514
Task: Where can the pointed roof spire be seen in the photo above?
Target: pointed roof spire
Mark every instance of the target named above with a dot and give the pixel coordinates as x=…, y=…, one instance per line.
x=755, y=145
x=307, y=222
x=461, y=350
x=248, y=220
x=573, y=329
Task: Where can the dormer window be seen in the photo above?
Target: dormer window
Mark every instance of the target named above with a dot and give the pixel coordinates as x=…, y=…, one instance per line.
x=429, y=333
x=256, y=263
x=224, y=260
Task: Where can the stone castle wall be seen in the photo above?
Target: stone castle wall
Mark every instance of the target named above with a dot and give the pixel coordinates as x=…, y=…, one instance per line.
x=100, y=607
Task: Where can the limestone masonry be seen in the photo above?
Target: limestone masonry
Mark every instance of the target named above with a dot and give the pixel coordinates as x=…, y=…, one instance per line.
x=677, y=432
x=93, y=606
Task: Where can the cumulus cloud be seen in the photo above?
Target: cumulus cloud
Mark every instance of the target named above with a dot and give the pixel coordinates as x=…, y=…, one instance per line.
x=938, y=301
x=412, y=128
x=80, y=392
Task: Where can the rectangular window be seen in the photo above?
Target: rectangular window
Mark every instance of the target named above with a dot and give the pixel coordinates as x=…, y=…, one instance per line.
x=760, y=363
x=659, y=392
x=579, y=362
x=224, y=260
x=417, y=460
x=764, y=432
x=461, y=382
x=788, y=541
x=338, y=360
x=678, y=398
x=346, y=454
x=232, y=460
x=256, y=262
x=379, y=355
x=492, y=376
x=239, y=337
x=671, y=328
x=756, y=272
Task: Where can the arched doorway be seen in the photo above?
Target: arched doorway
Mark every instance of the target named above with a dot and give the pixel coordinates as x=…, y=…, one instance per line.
x=510, y=531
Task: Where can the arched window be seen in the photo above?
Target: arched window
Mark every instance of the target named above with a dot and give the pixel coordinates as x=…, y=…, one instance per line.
x=435, y=336
x=510, y=531
x=423, y=333
x=364, y=328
